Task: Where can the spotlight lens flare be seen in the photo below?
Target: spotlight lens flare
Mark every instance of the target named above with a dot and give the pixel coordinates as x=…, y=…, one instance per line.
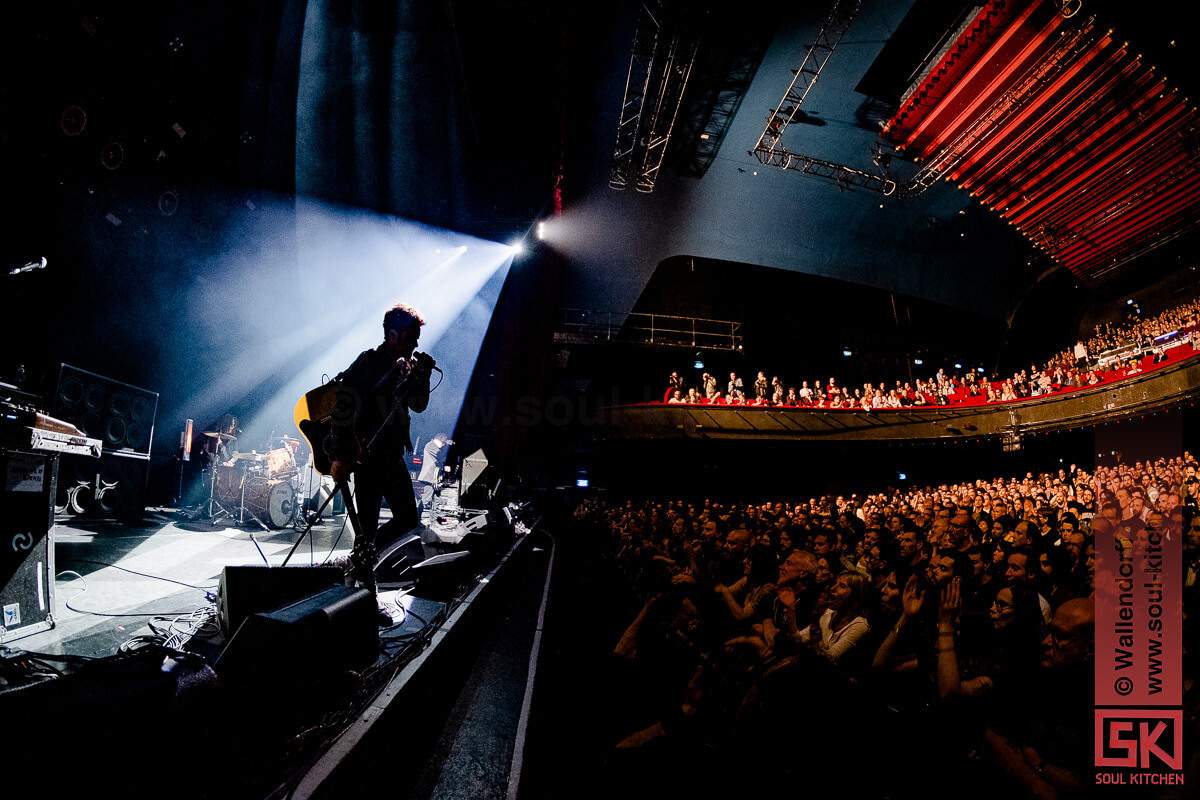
x=517, y=247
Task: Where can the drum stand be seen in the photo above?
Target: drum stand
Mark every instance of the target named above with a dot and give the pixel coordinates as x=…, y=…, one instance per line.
x=213, y=502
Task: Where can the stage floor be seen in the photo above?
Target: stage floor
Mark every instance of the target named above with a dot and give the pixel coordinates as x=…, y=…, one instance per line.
x=99, y=603
x=116, y=582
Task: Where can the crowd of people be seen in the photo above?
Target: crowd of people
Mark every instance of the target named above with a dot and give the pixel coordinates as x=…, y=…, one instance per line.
x=856, y=637
x=1070, y=369
x=1135, y=330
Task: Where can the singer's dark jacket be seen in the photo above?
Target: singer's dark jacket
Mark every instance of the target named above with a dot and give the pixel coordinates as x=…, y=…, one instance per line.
x=376, y=381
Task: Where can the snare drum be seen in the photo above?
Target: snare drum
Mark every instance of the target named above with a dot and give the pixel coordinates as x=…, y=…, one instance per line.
x=272, y=500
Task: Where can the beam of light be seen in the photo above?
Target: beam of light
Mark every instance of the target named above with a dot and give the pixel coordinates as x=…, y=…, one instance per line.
x=292, y=324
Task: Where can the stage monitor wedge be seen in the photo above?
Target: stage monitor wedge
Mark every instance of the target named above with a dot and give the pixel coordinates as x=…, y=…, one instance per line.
x=249, y=590
x=311, y=639
x=473, y=467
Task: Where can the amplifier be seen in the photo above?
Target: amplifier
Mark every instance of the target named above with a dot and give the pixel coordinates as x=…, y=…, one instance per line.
x=27, y=542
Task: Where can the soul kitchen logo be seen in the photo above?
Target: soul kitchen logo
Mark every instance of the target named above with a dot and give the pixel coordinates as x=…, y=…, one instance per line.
x=1138, y=719
x=1141, y=739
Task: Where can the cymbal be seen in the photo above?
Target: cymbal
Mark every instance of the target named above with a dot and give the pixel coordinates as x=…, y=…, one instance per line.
x=219, y=435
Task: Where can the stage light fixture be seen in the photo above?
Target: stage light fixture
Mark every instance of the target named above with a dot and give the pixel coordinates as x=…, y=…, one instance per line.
x=957, y=365
x=517, y=247
x=919, y=361
x=847, y=352
x=540, y=231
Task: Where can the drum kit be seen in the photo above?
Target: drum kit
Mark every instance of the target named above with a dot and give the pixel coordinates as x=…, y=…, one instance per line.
x=256, y=487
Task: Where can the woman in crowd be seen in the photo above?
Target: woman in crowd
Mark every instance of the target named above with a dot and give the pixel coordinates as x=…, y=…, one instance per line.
x=842, y=626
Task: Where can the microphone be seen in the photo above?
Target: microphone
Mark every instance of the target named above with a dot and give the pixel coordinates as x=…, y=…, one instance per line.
x=30, y=267
x=425, y=360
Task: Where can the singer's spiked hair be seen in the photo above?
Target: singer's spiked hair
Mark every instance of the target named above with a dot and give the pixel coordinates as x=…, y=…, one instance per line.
x=401, y=317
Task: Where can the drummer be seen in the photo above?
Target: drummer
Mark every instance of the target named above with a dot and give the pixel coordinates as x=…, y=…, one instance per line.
x=221, y=438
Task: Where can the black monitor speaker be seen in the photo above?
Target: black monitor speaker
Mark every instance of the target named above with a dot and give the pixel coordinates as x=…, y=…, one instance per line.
x=330, y=631
x=247, y=590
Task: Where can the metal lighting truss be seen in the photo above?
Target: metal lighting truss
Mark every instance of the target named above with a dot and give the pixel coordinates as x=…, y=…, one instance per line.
x=659, y=69
x=769, y=150
x=844, y=176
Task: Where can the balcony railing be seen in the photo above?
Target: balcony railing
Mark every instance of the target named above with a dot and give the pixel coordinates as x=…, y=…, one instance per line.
x=585, y=326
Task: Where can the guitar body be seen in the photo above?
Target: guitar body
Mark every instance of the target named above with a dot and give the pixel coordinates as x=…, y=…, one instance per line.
x=315, y=415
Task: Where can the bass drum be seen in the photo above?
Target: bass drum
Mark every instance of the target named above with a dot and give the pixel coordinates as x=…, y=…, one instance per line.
x=228, y=486
x=271, y=500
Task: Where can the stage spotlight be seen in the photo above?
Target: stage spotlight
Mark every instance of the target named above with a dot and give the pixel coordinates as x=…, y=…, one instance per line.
x=1129, y=302
x=902, y=476
x=517, y=247
x=540, y=231
x=919, y=361
x=980, y=370
x=847, y=353
x=957, y=365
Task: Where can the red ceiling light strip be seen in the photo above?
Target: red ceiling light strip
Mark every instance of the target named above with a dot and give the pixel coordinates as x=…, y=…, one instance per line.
x=1064, y=133
x=1164, y=222
x=993, y=89
x=1035, y=164
x=1080, y=165
x=1143, y=185
x=1025, y=97
x=1015, y=133
x=946, y=73
x=1043, y=134
x=1163, y=215
x=1016, y=98
x=961, y=84
x=1077, y=151
x=1181, y=196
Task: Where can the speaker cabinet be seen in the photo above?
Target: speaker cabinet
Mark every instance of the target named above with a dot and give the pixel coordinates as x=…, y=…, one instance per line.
x=26, y=542
x=120, y=415
x=111, y=487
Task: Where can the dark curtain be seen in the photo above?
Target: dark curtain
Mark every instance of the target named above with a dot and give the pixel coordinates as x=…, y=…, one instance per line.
x=379, y=108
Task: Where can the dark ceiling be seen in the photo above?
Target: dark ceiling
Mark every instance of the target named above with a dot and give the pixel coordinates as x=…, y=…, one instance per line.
x=200, y=103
